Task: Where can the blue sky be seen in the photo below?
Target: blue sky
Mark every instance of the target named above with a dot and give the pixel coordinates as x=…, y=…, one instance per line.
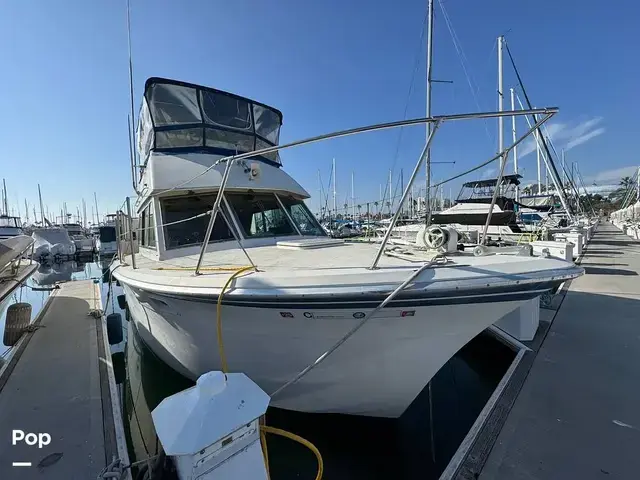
x=327, y=65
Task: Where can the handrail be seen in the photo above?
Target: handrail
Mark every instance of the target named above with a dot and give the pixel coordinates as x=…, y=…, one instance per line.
x=545, y=113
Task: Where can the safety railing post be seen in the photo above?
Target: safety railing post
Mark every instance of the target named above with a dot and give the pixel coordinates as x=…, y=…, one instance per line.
x=214, y=213
x=130, y=225
x=405, y=194
x=118, y=251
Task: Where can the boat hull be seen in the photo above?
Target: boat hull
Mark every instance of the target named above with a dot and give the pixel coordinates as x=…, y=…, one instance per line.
x=378, y=372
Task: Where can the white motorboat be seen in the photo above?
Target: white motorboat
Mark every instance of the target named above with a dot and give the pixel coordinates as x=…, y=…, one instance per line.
x=84, y=244
x=53, y=242
x=309, y=289
x=14, y=270
x=105, y=242
x=10, y=227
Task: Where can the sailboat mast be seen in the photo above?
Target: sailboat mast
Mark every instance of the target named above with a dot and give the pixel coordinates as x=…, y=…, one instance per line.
x=95, y=199
x=500, y=101
x=537, y=134
x=389, y=198
x=26, y=209
x=353, y=199
x=6, y=203
x=427, y=193
x=514, y=138
x=41, y=206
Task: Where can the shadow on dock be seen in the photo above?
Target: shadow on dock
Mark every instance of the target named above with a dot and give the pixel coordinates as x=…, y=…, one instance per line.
x=589, y=270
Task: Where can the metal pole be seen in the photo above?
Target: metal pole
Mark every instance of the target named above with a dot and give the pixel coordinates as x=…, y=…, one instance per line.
x=537, y=135
x=118, y=230
x=503, y=162
x=428, y=109
x=554, y=178
x=404, y=196
x=500, y=100
x=389, y=197
x=132, y=152
x=97, y=214
x=6, y=204
x=130, y=225
x=514, y=137
x=335, y=209
x=214, y=214
x=353, y=200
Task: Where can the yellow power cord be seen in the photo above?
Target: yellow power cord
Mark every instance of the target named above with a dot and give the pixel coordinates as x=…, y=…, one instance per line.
x=263, y=428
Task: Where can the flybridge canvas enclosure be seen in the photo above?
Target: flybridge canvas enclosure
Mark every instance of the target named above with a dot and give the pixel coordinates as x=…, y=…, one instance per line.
x=177, y=116
x=483, y=189
x=538, y=201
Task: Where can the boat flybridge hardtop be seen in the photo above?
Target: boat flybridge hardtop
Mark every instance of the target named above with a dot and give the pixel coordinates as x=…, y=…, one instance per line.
x=302, y=293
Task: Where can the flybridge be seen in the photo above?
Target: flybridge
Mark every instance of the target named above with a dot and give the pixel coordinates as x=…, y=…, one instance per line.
x=182, y=117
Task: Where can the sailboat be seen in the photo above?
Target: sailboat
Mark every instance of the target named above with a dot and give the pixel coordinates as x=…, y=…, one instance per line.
x=302, y=291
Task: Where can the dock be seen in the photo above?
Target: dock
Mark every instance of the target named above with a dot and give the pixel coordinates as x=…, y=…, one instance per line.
x=59, y=383
x=571, y=406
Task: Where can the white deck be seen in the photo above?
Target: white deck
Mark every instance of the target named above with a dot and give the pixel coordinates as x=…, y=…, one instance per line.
x=334, y=267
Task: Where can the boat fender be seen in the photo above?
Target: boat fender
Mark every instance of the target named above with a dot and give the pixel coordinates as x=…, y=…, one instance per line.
x=18, y=320
x=122, y=301
x=114, y=328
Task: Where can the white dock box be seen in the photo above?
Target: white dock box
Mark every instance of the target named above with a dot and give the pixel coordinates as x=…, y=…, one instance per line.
x=563, y=250
x=523, y=322
x=211, y=430
x=571, y=237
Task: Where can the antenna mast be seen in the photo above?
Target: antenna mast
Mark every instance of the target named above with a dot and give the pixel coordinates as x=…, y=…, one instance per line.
x=131, y=122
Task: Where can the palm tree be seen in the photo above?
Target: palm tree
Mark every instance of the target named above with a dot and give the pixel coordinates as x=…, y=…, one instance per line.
x=626, y=184
x=376, y=204
x=359, y=208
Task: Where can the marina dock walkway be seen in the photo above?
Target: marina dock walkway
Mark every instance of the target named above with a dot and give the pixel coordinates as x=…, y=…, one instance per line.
x=578, y=412
x=55, y=384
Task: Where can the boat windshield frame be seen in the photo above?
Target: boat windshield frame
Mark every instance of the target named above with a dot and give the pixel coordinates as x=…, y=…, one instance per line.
x=7, y=221
x=180, y=117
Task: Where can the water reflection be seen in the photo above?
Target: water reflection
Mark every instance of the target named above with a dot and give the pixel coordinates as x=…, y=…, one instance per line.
x=37, y=288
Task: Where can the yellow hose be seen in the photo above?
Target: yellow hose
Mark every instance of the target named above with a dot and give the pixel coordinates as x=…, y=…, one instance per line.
x=223, y=362
x=223, y=357
x=296, y=438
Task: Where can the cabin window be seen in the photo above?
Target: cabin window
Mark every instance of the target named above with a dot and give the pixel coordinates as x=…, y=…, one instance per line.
x=191, y=232
x=260, y=215
x=143, y=225
x=267, y=123
x=173, y=105
x=148, y=228
x=226, y=111
x=304, y=219
x=151, y=228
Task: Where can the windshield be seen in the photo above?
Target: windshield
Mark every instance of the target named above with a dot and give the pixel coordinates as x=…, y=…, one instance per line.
x=192, y=231
x=304, y=219
x=107, y=234
x=260, y=215
x=9, y=222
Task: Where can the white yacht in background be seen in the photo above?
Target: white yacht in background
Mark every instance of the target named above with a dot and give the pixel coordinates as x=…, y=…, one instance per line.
x=105, y=236
x=53, y=243
x=10, y=227
x=84, y=243
x=308, y=289
x=14, y=269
